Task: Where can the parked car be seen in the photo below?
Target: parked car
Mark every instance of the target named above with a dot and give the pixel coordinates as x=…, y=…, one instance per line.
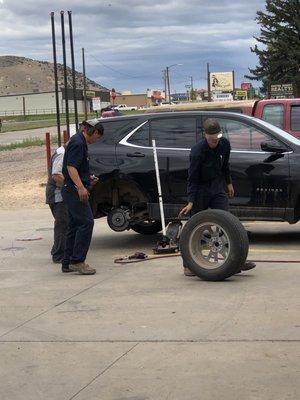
x=283, y=113
x=124, y=107
x=265, y=169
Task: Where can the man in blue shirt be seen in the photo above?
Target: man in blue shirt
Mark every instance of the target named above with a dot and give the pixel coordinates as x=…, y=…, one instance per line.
x=209, y=176
x=75, y=193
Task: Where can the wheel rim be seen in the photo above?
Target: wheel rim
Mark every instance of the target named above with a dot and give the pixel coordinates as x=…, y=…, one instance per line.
x=209, y=245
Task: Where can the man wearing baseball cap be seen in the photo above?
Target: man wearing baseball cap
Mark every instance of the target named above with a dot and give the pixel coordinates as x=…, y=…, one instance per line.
x=209, y=181
x=75, y=193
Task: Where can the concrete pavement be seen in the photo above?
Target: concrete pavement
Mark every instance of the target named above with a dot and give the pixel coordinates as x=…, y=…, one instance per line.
x=144, y=331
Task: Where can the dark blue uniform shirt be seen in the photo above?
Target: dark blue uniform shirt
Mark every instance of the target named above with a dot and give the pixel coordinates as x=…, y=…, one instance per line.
x=76, y=155
x=209, y=168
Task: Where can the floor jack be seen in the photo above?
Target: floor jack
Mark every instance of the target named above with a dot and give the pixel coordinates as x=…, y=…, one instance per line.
x=169, y=242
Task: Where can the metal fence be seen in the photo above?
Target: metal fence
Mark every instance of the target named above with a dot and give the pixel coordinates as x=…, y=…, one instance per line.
x=36, y=111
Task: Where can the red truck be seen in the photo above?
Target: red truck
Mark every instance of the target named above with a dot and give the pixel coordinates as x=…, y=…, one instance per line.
x=284, y=113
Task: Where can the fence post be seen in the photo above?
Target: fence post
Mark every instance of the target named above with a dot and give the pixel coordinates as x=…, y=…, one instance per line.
x=65, y=133
x=48, y=150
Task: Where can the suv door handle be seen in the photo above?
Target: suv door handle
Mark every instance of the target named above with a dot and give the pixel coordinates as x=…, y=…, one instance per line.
x=136, y=154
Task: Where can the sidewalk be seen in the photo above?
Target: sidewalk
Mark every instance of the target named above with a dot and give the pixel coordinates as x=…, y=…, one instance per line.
x=144, y=331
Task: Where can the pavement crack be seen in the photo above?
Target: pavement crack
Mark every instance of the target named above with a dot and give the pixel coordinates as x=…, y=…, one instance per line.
x=105, y=369
x=57, y=305
x=156, y=341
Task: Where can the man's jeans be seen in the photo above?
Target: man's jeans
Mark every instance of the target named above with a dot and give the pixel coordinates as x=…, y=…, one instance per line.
x=81, y=223
x=60, y=214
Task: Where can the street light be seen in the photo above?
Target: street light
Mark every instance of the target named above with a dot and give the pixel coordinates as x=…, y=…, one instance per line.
x=168, y=80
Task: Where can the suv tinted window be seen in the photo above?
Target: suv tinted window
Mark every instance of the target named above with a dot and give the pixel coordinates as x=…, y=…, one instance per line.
x=242, y=136
x=273, y=113
x=174, y=132
x=295, y=118
x=116, y=130
x=141, y=136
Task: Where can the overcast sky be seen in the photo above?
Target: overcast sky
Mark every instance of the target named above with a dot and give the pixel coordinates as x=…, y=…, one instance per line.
x=129, y=42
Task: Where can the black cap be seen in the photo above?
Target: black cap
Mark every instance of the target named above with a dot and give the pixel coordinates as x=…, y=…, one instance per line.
x=212, y=127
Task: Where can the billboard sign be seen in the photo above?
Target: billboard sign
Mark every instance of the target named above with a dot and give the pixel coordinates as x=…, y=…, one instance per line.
x=221, y=81
x=90, y=94
x=246, y=86
x=283, y=90
x=222, y=97
x=96, y=103
x=241, y=93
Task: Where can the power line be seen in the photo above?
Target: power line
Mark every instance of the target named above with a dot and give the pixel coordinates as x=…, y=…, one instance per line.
x=121, y=72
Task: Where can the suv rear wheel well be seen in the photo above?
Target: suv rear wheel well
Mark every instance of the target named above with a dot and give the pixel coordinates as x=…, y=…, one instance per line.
x=114, y=193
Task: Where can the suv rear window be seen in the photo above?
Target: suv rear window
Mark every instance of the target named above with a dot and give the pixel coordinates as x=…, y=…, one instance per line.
x=173, y=132
x=295, y=118
x=141, y=136
x=274, y=113
x=116, y=130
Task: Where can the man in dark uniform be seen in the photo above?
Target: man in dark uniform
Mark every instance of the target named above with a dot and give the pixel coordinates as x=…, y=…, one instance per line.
x=75, y=193
x=209, y=176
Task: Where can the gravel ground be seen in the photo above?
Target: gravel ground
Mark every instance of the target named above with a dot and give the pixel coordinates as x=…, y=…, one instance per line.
x=23, y=174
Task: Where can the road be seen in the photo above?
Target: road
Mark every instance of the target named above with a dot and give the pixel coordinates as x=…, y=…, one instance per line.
x=144, y=331
x=19, y=136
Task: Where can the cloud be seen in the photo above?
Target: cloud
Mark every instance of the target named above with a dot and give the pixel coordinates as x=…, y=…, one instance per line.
x=129, y=42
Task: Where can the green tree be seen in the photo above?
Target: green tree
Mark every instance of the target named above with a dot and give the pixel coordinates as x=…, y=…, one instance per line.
x=279, y=57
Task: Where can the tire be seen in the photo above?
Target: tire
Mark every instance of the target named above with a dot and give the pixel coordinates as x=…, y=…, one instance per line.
x=214, y=245
x=147, y=228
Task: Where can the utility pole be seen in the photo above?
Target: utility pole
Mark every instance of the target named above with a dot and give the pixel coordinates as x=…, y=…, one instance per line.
x=165, y=82
x=63, y=37
x=168, y=84
x=55, y=79
x=192, y=88
x=208, y=83
x=73, y=69
x=84, y=85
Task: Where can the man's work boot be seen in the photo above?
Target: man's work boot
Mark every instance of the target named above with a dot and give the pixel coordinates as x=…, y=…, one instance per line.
x=188, y=272
x=247, y=266
x=66, y=268
x=82, y=268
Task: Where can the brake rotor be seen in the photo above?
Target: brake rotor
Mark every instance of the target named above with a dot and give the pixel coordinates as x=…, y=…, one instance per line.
x=118, y=219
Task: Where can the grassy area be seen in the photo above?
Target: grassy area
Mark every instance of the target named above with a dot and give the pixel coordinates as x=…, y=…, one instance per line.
x=30, y=142
x=39, y=117
x=22, y=123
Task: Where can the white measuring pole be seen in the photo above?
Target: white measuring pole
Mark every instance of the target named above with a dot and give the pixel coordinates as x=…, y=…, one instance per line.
x=161, y=206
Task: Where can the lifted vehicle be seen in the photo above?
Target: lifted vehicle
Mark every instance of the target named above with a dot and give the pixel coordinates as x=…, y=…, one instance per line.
x=264, y=167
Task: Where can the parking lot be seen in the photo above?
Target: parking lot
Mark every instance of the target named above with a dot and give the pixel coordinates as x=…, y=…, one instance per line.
x=144, y=331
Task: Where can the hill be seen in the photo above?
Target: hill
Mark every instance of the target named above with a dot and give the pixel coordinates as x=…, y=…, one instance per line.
x=23, y=75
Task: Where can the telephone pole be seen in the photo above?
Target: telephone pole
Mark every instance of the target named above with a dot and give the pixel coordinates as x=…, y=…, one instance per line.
x=192, y=88
x=208, y=83
x=165, y=82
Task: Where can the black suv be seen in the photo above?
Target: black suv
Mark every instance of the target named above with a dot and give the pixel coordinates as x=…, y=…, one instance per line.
x=265, y=163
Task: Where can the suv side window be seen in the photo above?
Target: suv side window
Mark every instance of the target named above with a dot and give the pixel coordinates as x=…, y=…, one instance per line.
x=242, y=136
x=274, y=113
x=295, y=118
x=141, y=136
x=113, y=130
x=175, y=132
